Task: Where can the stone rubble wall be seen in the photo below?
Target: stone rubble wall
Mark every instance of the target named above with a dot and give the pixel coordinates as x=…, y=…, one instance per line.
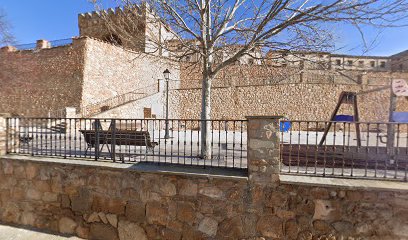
x=312, y=102
x=134, y=110
x=104, y=203
x=34, y=82
x=112, y=71
x=256, y=75
x=94, y=24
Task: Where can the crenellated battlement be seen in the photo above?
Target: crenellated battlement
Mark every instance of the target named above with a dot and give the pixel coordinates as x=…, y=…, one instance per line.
x=133, y=26
x=111, y=12
x=95, y=25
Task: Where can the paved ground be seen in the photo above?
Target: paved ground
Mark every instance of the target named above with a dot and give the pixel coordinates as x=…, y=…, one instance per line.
x=227, y=148
x=13, y=233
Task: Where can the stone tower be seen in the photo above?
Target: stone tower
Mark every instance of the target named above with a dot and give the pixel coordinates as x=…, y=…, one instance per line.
x=133, y=27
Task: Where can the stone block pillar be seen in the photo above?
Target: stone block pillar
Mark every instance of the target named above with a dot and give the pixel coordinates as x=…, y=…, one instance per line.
x=3, y=133
x=7, y=49
x=263, y=150
x=41, y=44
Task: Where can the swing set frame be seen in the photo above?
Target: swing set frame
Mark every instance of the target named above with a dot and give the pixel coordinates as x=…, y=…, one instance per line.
x=351, y=98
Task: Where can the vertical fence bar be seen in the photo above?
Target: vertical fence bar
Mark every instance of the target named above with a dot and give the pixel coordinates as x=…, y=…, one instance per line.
x=171, y=140
x=307, y=147
x=7, y=135
x=367, y=165
x=113, y=140
x=32, y=121
x=96, y=129
x=299, y=147
x=334, y=149
x=396, y=159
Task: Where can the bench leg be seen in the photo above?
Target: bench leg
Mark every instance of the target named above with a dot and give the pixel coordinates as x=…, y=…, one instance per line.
x=149, y=149
x=100, y=150
x=87, y=147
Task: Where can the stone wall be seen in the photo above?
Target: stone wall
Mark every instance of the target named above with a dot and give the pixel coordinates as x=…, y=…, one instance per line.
x=116, y=201
x=112, y=71
x=259, y=75
x=88, y=71
x=104, y=203
x=34, y=82
x=107, y=26
x=297, y=101
x=156, y=102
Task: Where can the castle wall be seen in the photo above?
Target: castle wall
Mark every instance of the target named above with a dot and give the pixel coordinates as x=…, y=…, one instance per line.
x=243, y=90
x=254, y=75
x=157, y=35
x=112, y=71
x=399, y=61
x=86, y=72
x=35, y=82
x=135, y=110
x=145, y=33
x=297, y=101
x=102, y=25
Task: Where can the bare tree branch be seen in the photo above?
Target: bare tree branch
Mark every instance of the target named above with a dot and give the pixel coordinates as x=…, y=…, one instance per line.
x=218, y=33
x=6, y=38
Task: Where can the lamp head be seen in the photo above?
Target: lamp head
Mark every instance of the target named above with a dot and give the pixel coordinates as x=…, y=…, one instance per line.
x=166, y=74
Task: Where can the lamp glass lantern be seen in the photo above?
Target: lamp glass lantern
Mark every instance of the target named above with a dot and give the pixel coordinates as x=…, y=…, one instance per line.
x=166, y=74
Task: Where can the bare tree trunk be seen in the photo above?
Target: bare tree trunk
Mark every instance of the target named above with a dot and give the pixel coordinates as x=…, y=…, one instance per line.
x=391, y=127
x=206, y=117
x=207, y=79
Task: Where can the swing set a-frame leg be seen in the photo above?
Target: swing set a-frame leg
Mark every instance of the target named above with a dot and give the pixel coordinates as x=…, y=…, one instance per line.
x=344, y=98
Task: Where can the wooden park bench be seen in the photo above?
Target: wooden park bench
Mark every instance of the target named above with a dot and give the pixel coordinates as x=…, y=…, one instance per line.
x=118, y=137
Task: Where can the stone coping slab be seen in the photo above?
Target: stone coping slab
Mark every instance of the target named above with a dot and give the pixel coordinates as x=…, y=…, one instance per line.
x=344, y=182
x=146, y=167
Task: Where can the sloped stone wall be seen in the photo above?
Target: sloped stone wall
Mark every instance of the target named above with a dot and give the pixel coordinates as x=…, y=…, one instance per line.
x=106, y=203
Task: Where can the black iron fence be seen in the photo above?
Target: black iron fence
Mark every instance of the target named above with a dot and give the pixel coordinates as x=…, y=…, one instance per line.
x=132, y=140
x=348, y=150
x=54, y=43
x=119, y=100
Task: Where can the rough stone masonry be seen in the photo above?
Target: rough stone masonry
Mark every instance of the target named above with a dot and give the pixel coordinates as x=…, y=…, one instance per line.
x=99, y=202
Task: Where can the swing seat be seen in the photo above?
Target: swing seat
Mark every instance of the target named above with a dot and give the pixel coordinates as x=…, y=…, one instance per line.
x=400, y=117
x=343, y=118
x=285, y=126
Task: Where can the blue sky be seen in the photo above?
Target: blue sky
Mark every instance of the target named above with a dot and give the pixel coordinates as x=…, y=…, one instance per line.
x=57, y=19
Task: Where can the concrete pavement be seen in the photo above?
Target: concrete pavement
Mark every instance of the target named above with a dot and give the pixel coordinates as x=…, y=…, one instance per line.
x=14, y=233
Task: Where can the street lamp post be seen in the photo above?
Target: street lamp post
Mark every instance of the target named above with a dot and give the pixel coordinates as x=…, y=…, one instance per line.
x=166, y=74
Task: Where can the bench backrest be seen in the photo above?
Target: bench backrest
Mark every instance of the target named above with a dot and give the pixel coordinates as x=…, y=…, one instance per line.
x=120, y=137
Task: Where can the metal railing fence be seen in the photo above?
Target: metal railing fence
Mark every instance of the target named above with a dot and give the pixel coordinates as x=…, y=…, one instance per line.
x=54, y=43
x=377, y=151
x=131, y=140
x=119, y=100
